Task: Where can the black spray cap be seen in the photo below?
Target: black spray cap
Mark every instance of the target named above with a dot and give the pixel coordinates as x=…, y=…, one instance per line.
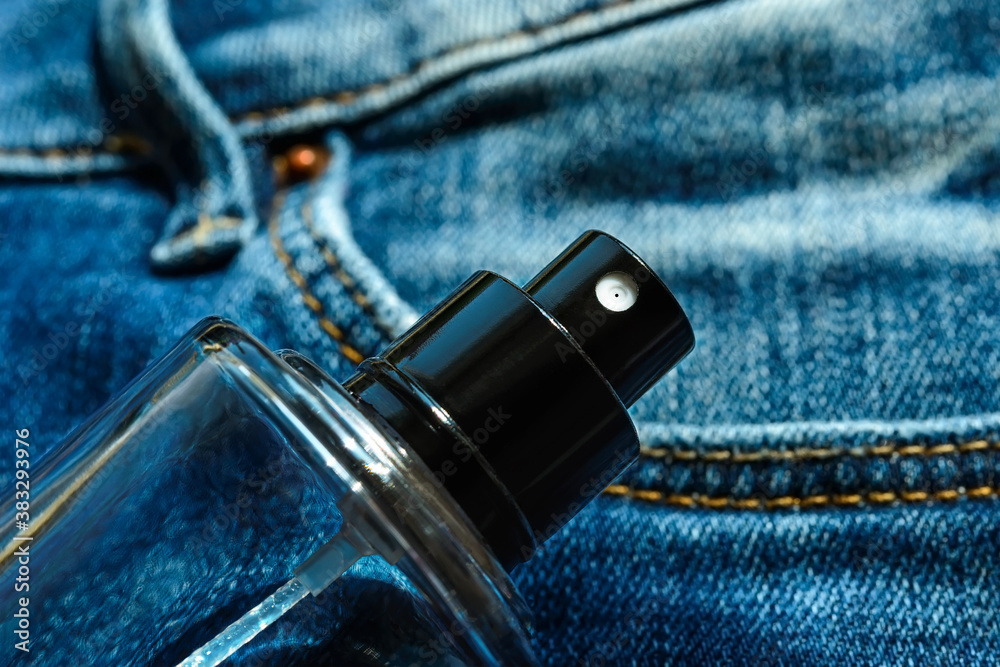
x=617, y=309
x=516, y=398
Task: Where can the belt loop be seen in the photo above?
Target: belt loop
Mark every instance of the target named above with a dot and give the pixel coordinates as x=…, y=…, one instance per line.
x=214, y=214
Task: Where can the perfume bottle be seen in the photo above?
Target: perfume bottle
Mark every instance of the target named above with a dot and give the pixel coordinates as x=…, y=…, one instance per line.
x=227, y=482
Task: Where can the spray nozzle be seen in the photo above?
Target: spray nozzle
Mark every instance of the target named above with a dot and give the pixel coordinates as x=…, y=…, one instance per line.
x=516, y=399
x=617, y=309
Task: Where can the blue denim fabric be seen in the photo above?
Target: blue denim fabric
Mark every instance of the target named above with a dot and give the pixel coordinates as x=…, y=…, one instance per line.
x=817, y=183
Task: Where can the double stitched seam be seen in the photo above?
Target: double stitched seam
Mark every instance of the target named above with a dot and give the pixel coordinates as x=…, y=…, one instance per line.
x=345, y=97
x=357, y=295
x=891, y=449
x=786, y=502
x=116, y=144
x=349, y=96
x=345, y=348
x=47, y=153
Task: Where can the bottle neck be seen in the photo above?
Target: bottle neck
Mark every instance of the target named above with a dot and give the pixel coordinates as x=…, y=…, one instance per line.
x=420, y=526
x=456, y=463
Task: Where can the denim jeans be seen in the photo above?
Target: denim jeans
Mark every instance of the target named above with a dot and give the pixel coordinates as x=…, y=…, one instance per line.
x=818, y=183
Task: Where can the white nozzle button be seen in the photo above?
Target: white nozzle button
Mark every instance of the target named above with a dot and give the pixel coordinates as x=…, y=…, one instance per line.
x=617, y=291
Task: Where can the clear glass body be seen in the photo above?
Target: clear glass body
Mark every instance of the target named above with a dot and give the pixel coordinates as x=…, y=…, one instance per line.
x=199, y=490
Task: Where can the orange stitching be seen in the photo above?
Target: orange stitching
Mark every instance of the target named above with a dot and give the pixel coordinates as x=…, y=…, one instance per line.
x=307, y=297
x=116, y=144
x=784, y=502
x=355, y=292
x=345, y=97
x=805, y=454
x=348, y=96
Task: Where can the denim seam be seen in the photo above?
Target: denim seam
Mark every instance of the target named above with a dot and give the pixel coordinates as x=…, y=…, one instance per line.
x=695, y=501
x=252, y=123
x=890, y=449
x=308, y=298
x=115, y=144
x=346, y=97
x=356, y=293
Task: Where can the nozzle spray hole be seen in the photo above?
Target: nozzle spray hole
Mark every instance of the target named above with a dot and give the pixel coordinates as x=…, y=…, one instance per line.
x=617, y=291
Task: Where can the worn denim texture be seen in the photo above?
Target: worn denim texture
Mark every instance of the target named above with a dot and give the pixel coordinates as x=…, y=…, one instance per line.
x=817, y=182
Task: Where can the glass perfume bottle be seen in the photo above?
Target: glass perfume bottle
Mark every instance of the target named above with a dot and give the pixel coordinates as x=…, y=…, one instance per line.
x=227, y=482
